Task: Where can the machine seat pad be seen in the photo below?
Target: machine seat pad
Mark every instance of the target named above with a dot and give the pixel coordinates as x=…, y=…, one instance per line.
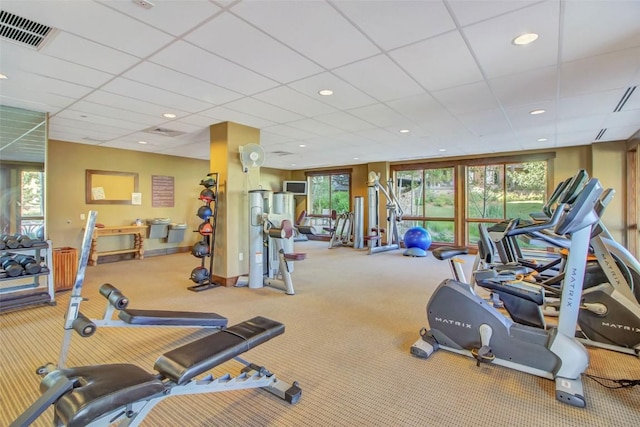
x=296, y=256
x=171, y=318
x=184, y=363
x=446, y=252
x=99, y=390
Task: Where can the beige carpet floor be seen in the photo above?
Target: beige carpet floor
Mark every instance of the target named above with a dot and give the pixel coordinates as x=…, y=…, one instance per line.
x=348, y=333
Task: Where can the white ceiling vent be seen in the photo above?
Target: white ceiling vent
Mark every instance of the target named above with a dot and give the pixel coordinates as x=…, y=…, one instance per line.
x=163, y=131
x=23, y=31
x=624, y=99
x=281, y=153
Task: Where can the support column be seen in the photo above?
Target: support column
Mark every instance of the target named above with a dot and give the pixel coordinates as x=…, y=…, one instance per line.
x=232, y=227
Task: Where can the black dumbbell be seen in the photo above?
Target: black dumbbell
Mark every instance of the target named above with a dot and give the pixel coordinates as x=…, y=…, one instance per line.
x=30, y=265
x=10, y=241
x=24, y=241
x=11, y=266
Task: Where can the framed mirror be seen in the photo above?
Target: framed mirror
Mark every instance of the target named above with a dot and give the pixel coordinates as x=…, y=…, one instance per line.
x=110, y=187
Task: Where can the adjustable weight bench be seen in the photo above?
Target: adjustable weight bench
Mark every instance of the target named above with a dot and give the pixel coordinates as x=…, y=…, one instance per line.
x=133, y=317
x=123, y=394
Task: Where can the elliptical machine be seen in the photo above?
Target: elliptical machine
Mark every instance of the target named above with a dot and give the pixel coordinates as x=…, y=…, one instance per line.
x=462, y=322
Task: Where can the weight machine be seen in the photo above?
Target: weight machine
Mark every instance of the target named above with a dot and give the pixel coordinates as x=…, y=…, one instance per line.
x=394, y=215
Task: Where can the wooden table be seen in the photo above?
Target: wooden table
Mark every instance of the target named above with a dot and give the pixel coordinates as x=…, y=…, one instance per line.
x=138, y=233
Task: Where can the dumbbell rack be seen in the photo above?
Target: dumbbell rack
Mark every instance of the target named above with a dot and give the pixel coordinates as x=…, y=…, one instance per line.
x=28, y=289
x=207, y=282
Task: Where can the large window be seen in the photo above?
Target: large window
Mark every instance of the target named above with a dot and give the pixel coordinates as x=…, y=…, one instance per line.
x=499, y=191
x=31, y=214
x=328, y=191
x=427, y=197
x=22, y=197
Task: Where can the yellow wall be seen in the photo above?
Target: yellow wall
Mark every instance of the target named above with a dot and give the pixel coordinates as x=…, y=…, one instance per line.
x=65, y=171
x=608, y=163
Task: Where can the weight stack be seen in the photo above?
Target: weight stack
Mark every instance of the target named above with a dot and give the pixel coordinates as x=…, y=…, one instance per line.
x=65, y=268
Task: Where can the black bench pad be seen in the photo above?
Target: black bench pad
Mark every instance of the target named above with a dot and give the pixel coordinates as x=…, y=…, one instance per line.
x=172, y=318
x=100, y=390
x=446, y=252
x=186, y=362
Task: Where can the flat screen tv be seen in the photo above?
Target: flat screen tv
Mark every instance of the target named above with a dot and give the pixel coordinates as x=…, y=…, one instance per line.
x=299, y=188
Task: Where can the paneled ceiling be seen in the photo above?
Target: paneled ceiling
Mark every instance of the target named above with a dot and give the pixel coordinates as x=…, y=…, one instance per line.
x=445, y=71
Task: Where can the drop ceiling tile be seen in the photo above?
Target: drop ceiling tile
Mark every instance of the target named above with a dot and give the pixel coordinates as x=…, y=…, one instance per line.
x=80, y=125
x=269, y=138
x=288, y=131
x=610, y=23
x=520, y=118
x=316, y=127
x=94, y=21
x=200, y=120
x=304, y=26
x=196, y=62
x=619, y=133
x=180, y=83
x=388, y=82
x=345, y=96
x=467, y=98
x=84, y=52
x=470, y=11
x=378, y=135
x=605, y=72
x=17, y=59
x=593, y=103
x=425, y=62
x=381, y=115
x=392, y=24
x=623, y=119
x=344, y=121
x=125, y=104
x=486, y=122
x=43, y=85
x=252, y=48
x=537, y=85
x=92, y=108
x=578, y=124
x=575, y=138
x=92, y=116
x=292, y=100
x=258, y=108
x=222, y=114
x=422, y=110
x=491, y=40
x=159, y=99
x=163, y=15
x=36, y=101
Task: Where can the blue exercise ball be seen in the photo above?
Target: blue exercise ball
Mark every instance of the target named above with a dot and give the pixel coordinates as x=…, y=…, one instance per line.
x=417, y=237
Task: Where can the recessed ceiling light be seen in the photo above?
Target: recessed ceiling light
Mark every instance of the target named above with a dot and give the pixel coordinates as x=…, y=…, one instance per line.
x=442, y=150
x=142, y=142
x=302, y=145
x=542, y=139
x=169, y=115
x=525, y=38
x=325, y=92
x=536, y=112
x=404, y=130
x=293, y=164
x=3, y=77
x=356, y=158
